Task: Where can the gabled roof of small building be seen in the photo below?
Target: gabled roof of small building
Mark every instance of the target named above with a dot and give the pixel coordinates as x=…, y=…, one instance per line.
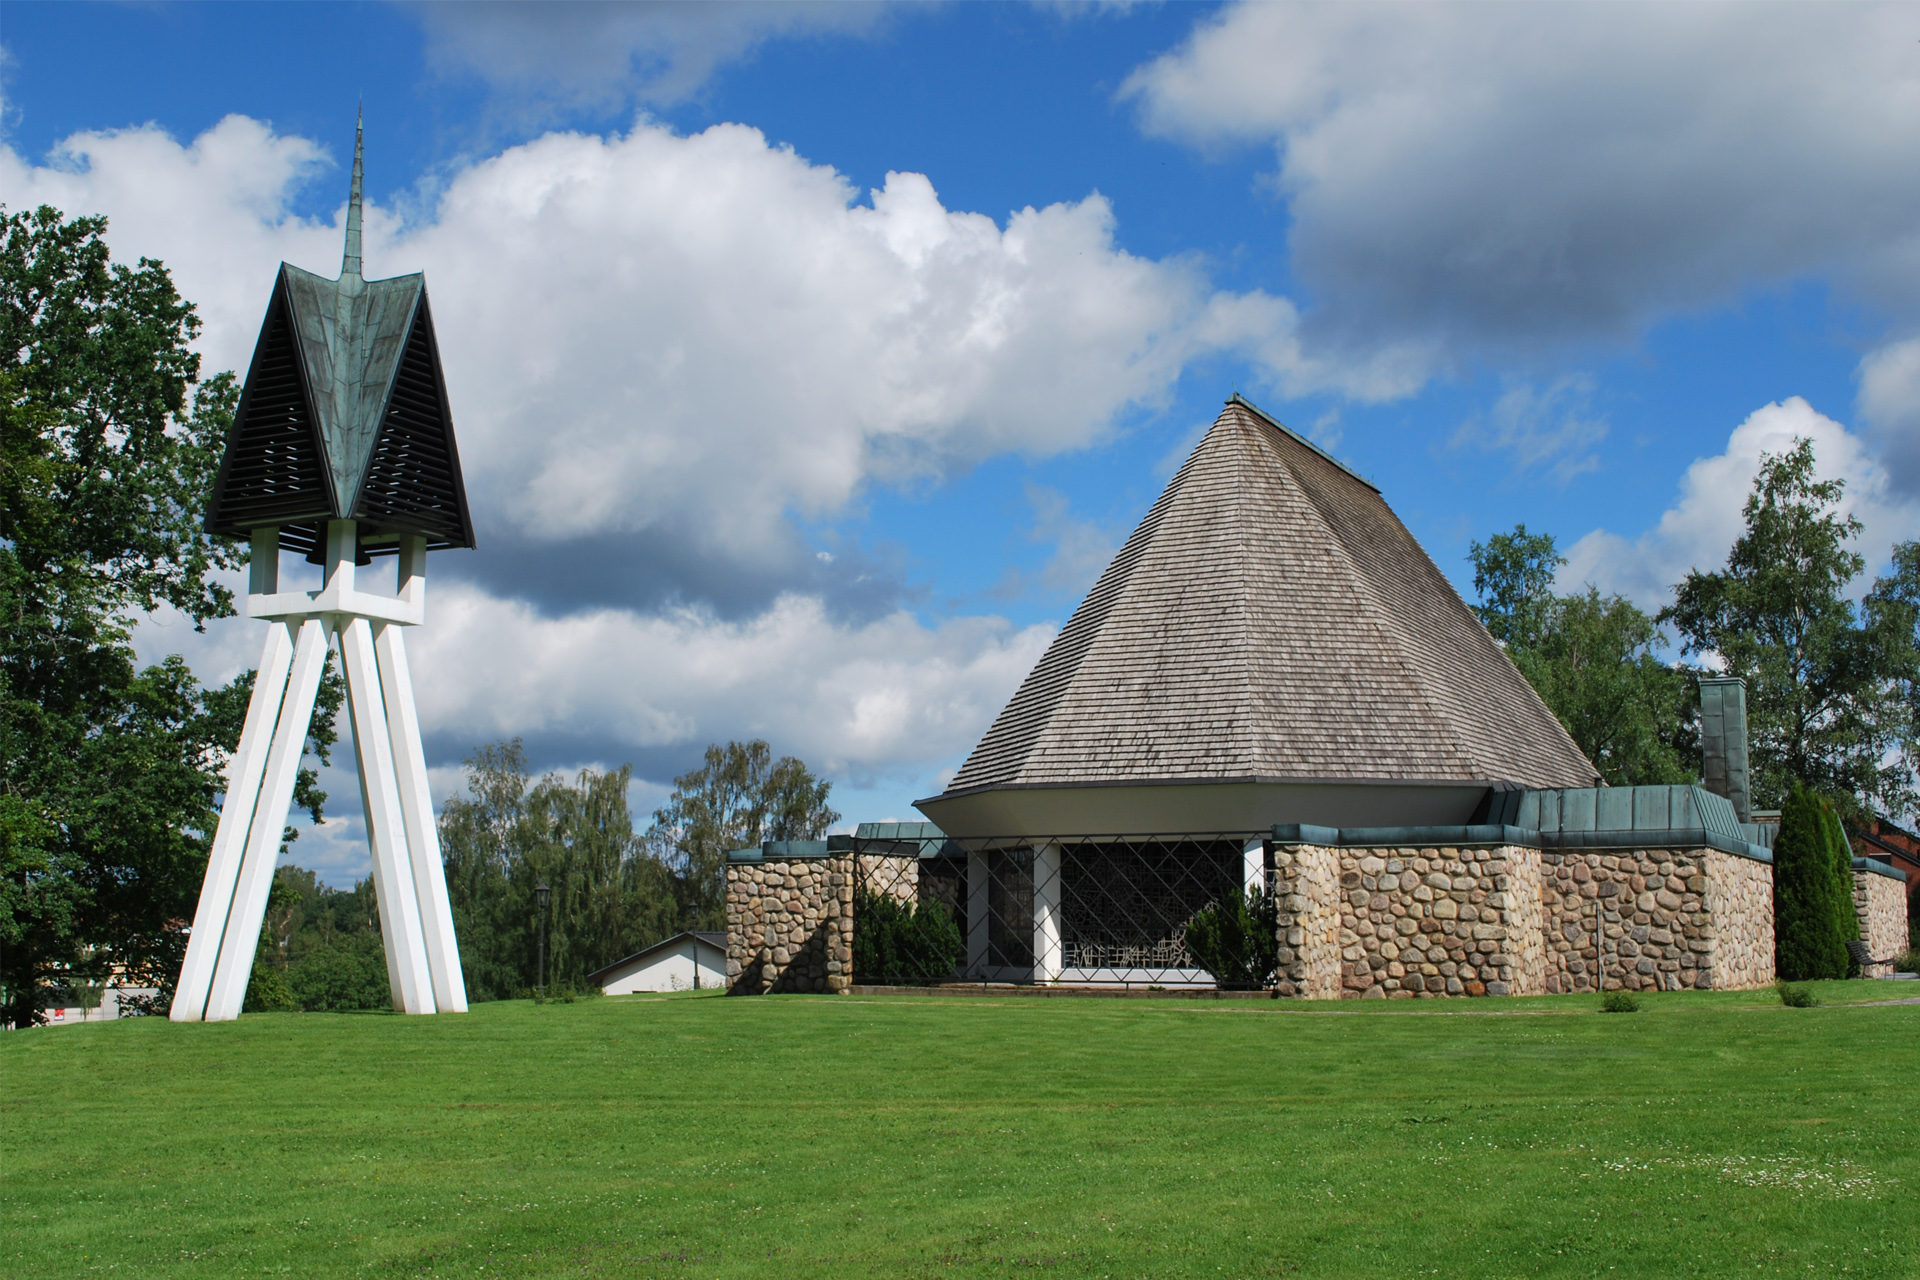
x=1271, y=619
x=345, y=413
x=717, y=941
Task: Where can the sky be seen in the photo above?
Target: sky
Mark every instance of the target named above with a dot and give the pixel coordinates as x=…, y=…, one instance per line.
x=809, y=361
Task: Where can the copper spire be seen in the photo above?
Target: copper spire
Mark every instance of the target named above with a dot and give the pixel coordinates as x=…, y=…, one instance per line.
x=350, y=262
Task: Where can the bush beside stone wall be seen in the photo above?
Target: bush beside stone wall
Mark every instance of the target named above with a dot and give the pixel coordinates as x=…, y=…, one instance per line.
x=790, y=925
x=1881, y=903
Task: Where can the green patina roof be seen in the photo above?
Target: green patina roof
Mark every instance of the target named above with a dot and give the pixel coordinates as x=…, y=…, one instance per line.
x=345, y=413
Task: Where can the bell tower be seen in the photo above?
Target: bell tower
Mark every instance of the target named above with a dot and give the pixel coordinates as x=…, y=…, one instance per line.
x=342, y=448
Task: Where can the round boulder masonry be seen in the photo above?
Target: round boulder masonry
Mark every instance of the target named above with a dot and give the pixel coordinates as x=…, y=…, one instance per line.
x=1662, y=920
x=1441, y=921
x=790, y=924
x=1880, y=902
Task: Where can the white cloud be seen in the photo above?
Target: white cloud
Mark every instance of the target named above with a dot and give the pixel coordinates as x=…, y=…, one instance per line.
x=889, y=697
x=703, y=334
x=1889, y=401
x=1496, y=176
x=1701, y=526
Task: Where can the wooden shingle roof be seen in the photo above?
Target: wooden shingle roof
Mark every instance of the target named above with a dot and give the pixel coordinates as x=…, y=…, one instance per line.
x=1272, y=619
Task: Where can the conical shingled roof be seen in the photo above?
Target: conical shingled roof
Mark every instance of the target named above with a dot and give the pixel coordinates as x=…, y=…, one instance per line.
x=1271, y=619
x=345, y=413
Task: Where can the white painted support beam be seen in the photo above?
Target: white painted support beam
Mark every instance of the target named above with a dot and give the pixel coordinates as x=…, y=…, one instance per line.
x=245, y=768
x=416, y=808
x=978, y=903
x=242, y=934
x=1046, y=912
x=1254, y=865
x=400, y=926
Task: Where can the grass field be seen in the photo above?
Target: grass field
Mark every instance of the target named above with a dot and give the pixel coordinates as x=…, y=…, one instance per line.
x=701, y=1136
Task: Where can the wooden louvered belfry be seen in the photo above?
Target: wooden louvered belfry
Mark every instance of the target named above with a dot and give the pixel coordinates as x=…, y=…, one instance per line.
x=344, y=417
x=342, y=449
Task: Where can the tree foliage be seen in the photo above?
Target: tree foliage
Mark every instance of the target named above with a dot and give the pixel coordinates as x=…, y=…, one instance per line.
x=1829, y=684
x=1813, y=915
x=1593, y=659
x=1237, y=940
x=614, y=892
x=610, y=896
x=738, y=797
x=109, y=773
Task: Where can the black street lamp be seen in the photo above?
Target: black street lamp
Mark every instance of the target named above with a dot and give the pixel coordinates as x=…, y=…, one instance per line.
x=542, y=896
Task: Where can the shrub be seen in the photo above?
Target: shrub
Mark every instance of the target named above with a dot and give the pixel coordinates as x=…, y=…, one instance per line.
x=1812, y=910
x=1237, y=940
x=1907, y=961
x=1796, y=995
x=1620, y=1002
x=895, y=941
x=346, y=974
x=268, y=992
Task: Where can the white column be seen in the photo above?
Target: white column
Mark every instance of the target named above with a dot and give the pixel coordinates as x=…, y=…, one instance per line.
x=1046, y=912
x=244, y=771
x=977, y=903
x=416, y=809
x=400, y=928
x=242, y=934
x=1254, y=865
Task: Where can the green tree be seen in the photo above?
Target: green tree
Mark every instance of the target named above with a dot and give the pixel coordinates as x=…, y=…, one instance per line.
x=1810, y=911
x=1593, y=659
x=610, y=896
x=739, y=797
x=1829, y=685
x=109, y=773
x=482, y=837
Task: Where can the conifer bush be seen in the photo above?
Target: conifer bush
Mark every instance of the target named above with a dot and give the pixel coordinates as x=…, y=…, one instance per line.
x=895, y=941
x=1812, y=901
x=1237, y=940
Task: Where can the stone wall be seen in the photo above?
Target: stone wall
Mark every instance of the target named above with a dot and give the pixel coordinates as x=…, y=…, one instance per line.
x=1670, y=919
x=1440, y=922
x=790, y=925
x=1306, y=885
x=1881, y=903
x=1740, y=895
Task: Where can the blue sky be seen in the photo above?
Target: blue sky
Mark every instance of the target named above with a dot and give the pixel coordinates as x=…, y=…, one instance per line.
x=767, y=435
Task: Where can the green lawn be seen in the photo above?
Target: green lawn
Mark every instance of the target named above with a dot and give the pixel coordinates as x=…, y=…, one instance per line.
x=708, y=1137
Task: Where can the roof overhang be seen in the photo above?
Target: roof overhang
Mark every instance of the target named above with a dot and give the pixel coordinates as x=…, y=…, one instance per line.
x=1184, y=805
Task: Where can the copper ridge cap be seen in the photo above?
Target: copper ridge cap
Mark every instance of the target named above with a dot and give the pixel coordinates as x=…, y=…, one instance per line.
x=1270, y=420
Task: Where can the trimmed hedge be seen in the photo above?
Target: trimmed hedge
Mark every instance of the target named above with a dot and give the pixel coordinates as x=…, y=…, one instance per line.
x=1812, y=891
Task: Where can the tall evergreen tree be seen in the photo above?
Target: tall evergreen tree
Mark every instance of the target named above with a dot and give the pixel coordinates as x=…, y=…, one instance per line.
x=1808, y=930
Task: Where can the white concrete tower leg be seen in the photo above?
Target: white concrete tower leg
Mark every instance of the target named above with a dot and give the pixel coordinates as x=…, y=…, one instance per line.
x=242, y=934
x=1046, y=913
x=245, y=768
x=978, y=903
x=386, y=827
x=416, y=808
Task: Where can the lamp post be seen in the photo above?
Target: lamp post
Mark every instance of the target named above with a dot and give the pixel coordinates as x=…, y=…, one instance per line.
x=541, y=897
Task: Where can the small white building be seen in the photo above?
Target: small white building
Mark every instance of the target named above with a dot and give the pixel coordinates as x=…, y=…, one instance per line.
x=684, y=962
